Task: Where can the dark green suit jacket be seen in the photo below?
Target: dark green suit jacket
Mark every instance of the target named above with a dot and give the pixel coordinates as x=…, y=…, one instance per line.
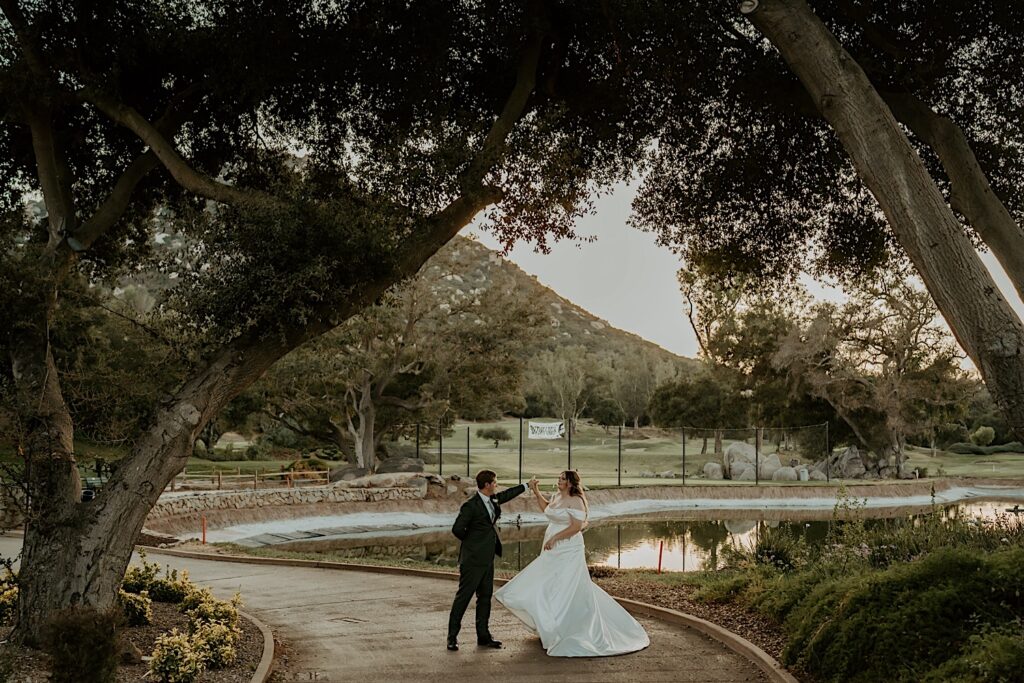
x=473, y=526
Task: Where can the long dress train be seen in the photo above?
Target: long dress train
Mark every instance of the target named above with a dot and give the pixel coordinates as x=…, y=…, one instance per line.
x=555, y=597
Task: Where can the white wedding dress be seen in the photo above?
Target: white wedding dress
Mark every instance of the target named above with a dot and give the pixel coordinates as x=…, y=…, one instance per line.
x=556, y=599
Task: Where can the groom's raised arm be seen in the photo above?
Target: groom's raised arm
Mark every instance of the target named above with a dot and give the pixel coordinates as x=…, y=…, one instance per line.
x=510, y=493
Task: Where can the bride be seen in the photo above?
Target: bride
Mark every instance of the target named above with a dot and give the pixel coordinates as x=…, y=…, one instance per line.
x=554, y=595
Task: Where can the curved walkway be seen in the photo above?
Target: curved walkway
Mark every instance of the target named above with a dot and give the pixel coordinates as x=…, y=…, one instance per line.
x=353, y=625
x=344, y=625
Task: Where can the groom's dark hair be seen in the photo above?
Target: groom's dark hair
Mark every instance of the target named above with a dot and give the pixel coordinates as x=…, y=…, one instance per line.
x=484, y=477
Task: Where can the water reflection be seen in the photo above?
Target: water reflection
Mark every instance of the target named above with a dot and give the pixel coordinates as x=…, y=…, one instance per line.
x=684, y=544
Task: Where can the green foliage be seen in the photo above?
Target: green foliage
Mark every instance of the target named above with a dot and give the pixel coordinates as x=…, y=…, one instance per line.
x=983, y=436
x=912, y=615
x=495, y=434
x=971, y=449
x=781, y=549
x=139, y=578
x=212, y=611
x=137, y=607
x=281, y=436
x=83, y=644
x=175, y=659
x=8, y=604
x=936, y=600
x=993, y=654
x=215, y=643
x=172, y=588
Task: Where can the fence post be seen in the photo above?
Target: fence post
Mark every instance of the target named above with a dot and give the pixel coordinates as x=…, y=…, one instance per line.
x=757, y=457
x=440, y=449
x=255, y=480
x=520, y=458
x=828, y=456
x=569, y=431
x=684, y=461
x=620, y=456
x=417, y=439
x=218, y=480
x=467, y=452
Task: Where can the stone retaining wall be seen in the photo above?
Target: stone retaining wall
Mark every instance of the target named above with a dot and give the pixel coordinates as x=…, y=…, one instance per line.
x=190, y=505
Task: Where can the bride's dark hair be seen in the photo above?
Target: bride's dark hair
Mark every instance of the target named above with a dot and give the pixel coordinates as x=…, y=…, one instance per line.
x=576, y=487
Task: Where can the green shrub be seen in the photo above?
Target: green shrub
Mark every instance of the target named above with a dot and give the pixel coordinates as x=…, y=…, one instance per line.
x=194, y=597
x=983, y=436
x=8, y=605
x=899, y=624
x=992, y=654
x=215, y=644
x=780, y=548
x=137, y=608
x=175, y=660
x=962, y=448
x=214, y=612
x=83, y=645
x=138, y=579
x=171, y=588
x=281, y=436
x=495, y=434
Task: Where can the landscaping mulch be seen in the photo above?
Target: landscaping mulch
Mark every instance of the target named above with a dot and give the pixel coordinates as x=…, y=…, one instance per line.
x=759, y=630
x=30, y=666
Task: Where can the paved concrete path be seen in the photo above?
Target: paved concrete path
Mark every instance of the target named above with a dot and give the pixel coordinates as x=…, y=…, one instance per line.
x=350, y=625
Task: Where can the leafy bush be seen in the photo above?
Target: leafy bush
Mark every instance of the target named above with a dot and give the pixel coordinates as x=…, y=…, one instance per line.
x=137, y=608
x=214, y=611
x=983, y=436
x=214, y=643
x=194, y=597
x=83, y=645
x=970, y=449
x=495, y=434
x=8, y=605
x=855, y=628
x=175, y=660
x=171, y=588
x=138, y=579
x=281, y=436
x=780, y=548
x=992, y=654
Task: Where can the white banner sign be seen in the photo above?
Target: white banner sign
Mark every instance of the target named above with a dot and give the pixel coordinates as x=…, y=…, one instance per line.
x=547, y=430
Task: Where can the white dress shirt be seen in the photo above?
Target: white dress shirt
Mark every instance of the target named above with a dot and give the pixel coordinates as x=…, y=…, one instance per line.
x=488, y=504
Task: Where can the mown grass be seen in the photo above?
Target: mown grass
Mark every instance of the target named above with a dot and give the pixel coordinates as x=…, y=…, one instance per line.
x=594, y=454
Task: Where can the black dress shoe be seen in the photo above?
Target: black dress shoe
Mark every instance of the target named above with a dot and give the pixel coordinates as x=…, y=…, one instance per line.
x=496, y=644
x=452, y=645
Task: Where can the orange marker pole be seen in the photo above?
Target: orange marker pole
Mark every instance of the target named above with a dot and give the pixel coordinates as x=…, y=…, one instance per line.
x=203, y=518
x=661, y=548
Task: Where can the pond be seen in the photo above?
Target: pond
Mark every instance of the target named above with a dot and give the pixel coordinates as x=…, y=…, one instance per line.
x=684, y=542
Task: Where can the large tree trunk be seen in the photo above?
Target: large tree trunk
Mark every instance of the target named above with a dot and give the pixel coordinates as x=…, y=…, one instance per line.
x=925, y=226
x=971, y=195
x=75, y=553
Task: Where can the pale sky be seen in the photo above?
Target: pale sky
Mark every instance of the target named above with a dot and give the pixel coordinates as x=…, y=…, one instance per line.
x=625, y=278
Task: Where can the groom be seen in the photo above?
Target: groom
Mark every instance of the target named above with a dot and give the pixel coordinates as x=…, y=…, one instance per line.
x=476, y=527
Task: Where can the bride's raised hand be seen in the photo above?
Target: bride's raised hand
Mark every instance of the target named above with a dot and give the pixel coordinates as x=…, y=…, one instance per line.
x=549, y=544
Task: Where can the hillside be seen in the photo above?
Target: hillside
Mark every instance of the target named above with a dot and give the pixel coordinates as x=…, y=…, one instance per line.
x=474, y=267
x=479, y=266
